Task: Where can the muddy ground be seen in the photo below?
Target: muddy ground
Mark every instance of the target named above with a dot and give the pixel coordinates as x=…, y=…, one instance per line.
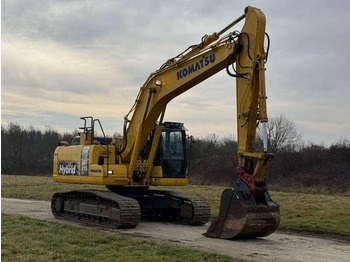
x=276, y=247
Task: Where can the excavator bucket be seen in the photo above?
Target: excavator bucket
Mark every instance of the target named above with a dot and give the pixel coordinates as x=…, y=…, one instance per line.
x=243, y=215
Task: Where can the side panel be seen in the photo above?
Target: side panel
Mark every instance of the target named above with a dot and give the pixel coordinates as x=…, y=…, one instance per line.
x=79, y=164
x=67, y=161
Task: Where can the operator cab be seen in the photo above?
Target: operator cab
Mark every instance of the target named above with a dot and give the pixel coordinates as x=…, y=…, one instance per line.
x=173, y=150
x=171, y=153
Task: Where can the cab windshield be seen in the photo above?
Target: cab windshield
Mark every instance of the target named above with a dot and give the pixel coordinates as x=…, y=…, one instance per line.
x=173, y=153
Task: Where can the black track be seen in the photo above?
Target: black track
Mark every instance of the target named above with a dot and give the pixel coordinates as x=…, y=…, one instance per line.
x=149, y=204
x=130, y=212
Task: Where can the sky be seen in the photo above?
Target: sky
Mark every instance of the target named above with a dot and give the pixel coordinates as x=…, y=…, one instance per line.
x=64, y=59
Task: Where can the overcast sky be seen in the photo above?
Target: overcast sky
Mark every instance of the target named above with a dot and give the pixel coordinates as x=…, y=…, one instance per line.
x=65, y=59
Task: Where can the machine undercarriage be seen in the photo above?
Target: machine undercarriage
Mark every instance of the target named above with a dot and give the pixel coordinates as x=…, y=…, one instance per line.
x=124, y=208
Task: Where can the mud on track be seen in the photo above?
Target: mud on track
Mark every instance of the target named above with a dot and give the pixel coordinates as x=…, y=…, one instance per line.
x=276, y=247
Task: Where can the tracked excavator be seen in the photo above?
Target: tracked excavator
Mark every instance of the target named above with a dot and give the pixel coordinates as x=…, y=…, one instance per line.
x=153, y=153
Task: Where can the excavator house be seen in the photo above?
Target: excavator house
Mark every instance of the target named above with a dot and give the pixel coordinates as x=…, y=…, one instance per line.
x=153, y=152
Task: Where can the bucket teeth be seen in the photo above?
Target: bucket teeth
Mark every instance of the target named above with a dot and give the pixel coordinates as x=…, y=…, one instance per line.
x=241, y=216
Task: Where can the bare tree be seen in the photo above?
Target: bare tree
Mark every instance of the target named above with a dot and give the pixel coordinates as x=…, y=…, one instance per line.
x=282, y=134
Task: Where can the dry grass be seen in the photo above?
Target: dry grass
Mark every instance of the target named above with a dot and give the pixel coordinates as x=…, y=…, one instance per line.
x=313, y=212
x=25, y=239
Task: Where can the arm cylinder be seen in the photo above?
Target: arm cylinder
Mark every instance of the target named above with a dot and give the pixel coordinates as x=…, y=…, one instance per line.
x=264, y=136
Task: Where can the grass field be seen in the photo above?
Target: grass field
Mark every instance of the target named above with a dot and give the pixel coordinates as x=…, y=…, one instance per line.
x=311, y=212
x=25, y=239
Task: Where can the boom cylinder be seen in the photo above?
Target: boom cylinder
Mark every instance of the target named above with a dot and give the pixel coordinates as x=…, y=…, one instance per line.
x=230, y=25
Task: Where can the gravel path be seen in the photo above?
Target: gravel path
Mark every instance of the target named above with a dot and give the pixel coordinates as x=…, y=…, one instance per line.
x=276, y=247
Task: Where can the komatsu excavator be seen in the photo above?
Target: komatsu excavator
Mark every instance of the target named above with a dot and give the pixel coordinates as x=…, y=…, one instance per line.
x=153, y=153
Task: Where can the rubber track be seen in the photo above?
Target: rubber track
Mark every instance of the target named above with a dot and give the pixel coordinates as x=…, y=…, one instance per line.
x=201, y=208
x=130, y=213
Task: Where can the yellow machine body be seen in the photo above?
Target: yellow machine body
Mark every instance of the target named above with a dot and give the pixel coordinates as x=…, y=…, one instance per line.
x=78, y=164
x=122, y=164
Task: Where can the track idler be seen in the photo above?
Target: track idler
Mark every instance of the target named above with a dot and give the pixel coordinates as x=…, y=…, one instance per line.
x=244, y=215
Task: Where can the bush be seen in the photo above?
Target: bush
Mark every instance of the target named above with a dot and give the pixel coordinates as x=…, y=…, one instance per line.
x=310, y=168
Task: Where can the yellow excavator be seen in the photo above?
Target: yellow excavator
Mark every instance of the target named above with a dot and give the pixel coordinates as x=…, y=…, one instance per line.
x=153, y=153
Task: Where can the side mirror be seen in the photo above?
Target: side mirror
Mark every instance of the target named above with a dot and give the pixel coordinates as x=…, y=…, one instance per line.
x=101, y=160
x=190, y=139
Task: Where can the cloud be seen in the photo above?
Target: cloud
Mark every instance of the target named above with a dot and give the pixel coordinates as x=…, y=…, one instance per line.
x=45, y=76
x=72, y=58
x=47, y=65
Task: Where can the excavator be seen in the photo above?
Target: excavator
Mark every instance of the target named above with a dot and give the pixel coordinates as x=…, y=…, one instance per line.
x=152, y=152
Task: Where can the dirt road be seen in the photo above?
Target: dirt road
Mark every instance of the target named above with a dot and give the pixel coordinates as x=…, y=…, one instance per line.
x=276, y=247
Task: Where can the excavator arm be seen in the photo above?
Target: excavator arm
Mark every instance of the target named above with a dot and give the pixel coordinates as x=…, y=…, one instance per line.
x=215, y=53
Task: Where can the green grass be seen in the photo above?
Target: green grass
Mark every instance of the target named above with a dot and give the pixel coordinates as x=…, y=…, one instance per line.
x=312, y=212
x=25, y=239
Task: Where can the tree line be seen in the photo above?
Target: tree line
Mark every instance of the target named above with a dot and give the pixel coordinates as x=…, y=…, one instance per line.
x=212, y=160
x=29, y=151
x=296, y=166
